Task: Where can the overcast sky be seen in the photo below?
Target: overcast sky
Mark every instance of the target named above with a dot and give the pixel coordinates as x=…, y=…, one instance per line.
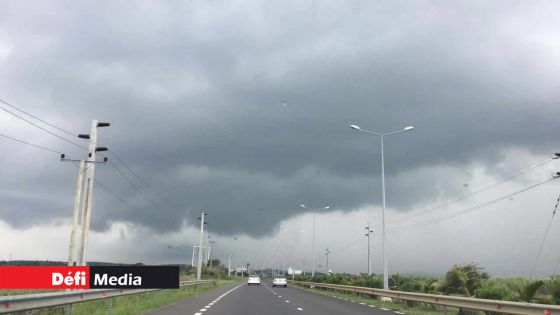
x=242, y=109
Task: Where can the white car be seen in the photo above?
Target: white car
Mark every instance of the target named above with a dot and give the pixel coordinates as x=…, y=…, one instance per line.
x=280, y=282
x=254, y=279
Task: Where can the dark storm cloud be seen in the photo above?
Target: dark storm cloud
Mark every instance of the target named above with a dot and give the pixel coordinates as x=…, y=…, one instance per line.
x=236, y=107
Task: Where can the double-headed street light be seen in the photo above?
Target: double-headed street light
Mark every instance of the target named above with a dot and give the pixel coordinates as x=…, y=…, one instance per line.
x=382, y=135
x=313, y=246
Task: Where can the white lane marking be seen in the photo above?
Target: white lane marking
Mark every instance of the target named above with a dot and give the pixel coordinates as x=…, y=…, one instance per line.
x=385, y=309
x=372, y=306
x=287, y=301
x=399, y=312
x=300, y=309
x=216, y=300
x=362, y=303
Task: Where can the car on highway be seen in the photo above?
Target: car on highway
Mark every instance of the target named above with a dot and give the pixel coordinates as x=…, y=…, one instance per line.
x=279, y=282
x=254, y=279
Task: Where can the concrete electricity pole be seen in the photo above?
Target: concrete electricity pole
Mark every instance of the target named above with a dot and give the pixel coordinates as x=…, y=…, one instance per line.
x=229, y=266
x=211, y=246
x=201, y=243
x=82, y=211
x=368, y=234
x=88, y=201
x=327, y=252
x=75, y=215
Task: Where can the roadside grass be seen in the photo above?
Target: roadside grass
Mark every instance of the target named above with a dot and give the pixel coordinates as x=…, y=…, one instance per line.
x=395, y=305
x=132, y=304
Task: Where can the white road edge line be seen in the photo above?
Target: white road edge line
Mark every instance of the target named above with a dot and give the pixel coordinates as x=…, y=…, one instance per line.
x=299, y=309
x=216, y=300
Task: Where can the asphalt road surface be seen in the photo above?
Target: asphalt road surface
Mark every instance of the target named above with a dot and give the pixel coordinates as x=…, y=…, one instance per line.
x=266, y=300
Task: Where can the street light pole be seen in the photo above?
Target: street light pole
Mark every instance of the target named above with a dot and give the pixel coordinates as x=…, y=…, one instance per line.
x=313, y=246
x=384, y=247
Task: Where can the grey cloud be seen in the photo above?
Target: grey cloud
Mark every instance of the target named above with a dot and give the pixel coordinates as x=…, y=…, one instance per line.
x=195, y=94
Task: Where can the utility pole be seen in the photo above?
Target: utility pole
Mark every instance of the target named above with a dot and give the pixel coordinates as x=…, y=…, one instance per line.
x=327, y=252
x=229, y=266
x=201, y=242
x=86, y=166
x=368, y=234
x=76, y=214
x=211, y=245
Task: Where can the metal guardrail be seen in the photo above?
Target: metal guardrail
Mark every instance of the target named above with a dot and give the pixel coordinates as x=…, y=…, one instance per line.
x=26, y=302
x=504, y=307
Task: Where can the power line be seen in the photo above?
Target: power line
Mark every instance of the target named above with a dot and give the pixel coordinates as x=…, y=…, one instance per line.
x=140, y=179
x=128, y=168
x=501, y=181
x=124, y=201
x=39, y=119
x=544, y=238
x=30, y=144
x=133, y=185
x=44, y=129
x=468, y=210
x=348, y=245
x=121, y=199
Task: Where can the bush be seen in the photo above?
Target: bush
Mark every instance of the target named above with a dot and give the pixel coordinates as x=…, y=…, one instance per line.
x=493, y=289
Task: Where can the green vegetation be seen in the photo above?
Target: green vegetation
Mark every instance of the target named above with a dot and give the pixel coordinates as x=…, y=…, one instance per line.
x=133, y=304
x=396, y=305
x=467, y=279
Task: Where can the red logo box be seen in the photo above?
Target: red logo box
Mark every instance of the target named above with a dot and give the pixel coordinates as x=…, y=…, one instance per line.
x=44, y=277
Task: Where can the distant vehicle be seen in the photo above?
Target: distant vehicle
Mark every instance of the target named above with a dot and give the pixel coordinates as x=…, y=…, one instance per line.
x=254, y=279
x=279, y=282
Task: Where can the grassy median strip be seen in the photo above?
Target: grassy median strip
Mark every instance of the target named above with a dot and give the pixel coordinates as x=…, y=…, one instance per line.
x=133, y=304
x=395, y=305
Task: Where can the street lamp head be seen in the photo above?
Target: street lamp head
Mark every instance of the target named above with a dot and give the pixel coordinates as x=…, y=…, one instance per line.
x=407, y=128
x=327, y=207
x=356, y=127
x=303, y=206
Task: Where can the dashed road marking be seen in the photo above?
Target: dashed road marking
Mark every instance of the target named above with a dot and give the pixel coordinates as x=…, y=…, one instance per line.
x=361, y=303
x=300, y=309
x=385, y=309
x=399, y=312
x=215, y=301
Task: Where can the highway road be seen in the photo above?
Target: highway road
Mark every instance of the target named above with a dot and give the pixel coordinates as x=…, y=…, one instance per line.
x=266, y=300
